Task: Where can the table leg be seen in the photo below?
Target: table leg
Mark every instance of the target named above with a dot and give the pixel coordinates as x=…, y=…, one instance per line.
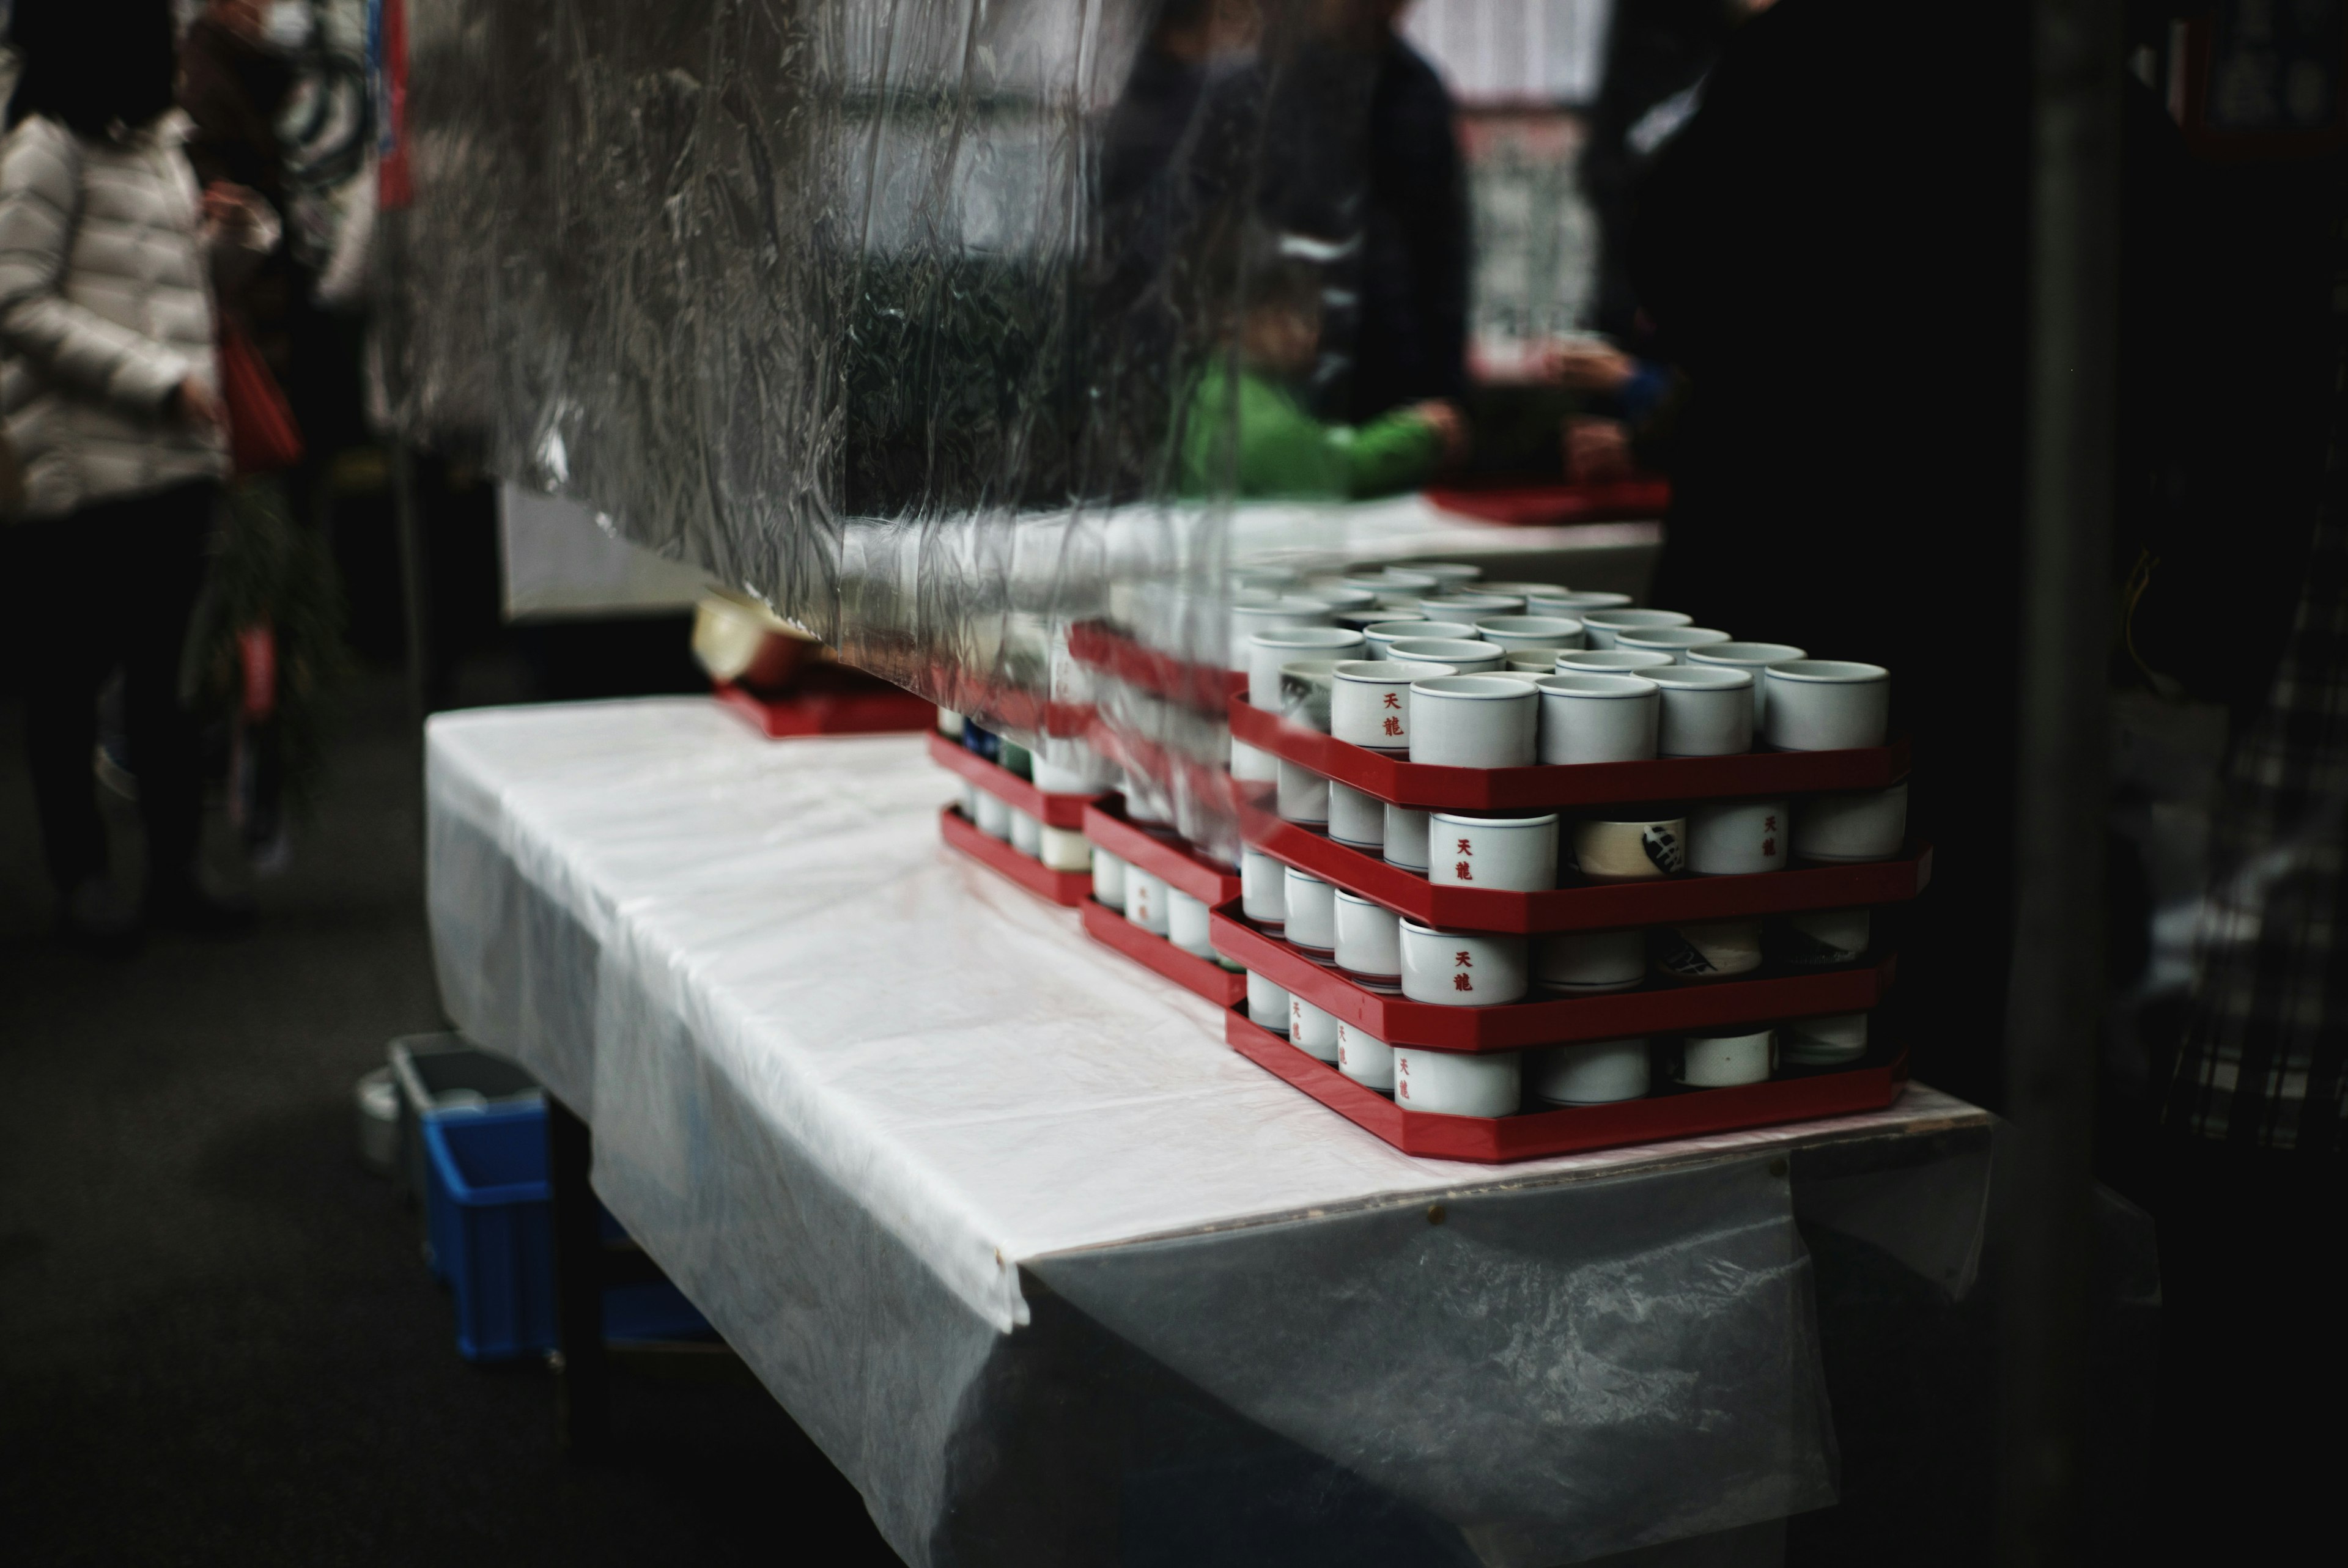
x=583, y=1374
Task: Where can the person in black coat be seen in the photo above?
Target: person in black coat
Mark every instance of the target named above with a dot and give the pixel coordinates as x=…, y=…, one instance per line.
x=1410, y=342
x=1833, y=249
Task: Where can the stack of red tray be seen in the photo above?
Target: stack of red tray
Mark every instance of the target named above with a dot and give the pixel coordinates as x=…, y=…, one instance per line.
x=1181, y=868
x=1656, y=1008
x=1064, y=812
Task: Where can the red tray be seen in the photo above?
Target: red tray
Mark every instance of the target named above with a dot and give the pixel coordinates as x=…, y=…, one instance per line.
x=1497, y=1140
x=1189, y=970
x=1548, y=1020
x=1068, y=888
x=1549, y=505
x=1165, y=858
x=886, y=710
x=1602, y=908
x=1423, y=784
x=1061, y=810
x=1199, y=686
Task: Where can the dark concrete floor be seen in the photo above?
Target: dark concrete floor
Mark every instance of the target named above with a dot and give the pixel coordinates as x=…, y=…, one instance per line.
x=217, y=1341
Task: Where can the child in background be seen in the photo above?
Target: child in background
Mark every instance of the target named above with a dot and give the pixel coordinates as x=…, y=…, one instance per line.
x=1245, y=432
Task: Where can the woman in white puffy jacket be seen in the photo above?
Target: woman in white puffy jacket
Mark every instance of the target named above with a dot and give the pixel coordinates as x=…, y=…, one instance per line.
x=107, y=381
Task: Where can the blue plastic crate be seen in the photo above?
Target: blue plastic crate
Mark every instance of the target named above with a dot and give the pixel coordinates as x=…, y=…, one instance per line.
x=490, y=1218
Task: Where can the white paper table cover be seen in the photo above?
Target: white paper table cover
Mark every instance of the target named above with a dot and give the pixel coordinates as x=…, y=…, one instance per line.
x=848, y=1086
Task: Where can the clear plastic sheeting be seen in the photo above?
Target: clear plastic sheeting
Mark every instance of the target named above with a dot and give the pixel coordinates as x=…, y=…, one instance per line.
x=1056, y=1276
x=945, y=328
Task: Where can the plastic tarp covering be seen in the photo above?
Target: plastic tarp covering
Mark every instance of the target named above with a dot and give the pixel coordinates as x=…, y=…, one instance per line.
x=918, y=319
x=1054, y=1276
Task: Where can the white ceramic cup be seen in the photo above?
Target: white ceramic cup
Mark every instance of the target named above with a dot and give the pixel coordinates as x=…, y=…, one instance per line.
x=1458, y=656
x=1590, y=963
x=1312, y=1031
x=1471, y=605
x=1821, y=938
x=1600, y=1072
x=1357, y=820
x=1267, y=1004
x=1605, y=625
x=1610, y=661
x=1269, y=614
x=1826, y=1041
x=1063, y=848
x=1706, y=713
x=1142, y=803
x=1305, y=685
x=1738, y=837
x=1529, y=633
x=1458, y=1083
x=1369, y=942
x=1847, y=829
x=1630, y=851
x=1473, y=721
x=970, y=794
x=1369, y=701
x=1311, y=924
x=1674, y=641
x=1597, y=718
x=1026, y=834
x=1461, y=969
x=1827, y=705
x=1263, y=890
x=1397, y=589
x=1108, y=878
x=1755, y=658
x=1406, y=838
x=1186, y=924
x=1513, y=854
x=1251, y=765
x=1574, y=605
x=1366, y=1059
x=1724, y=1060
x=1709, y=952
x=1339, y=597
x=1145, y=900
x=1269, y=650
x=994, y=817
x=1524, y=590
x=1450, y=574
x=1379, y=638
x=1302, y=794
x=1538, y=662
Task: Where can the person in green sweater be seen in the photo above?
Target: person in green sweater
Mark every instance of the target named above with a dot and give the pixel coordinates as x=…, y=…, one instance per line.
x=1244, y=431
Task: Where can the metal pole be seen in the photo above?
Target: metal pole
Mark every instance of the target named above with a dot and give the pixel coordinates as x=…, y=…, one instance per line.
x=2057, y=971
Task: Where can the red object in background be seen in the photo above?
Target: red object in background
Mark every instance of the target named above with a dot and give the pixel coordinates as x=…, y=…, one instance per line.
x=263, y=437
x=861, y=707
x=2249, y=83
x=1065, y=887
x=1549, y=506
x=394, y=188
x=1496, y=1140
x=256, y=655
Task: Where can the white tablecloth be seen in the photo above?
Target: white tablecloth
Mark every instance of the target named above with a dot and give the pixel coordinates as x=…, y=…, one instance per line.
x=871, y=1106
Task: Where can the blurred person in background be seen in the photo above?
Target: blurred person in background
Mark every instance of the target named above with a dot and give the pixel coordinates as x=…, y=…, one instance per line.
x=108, y=251
x=1831, y=249
x=1247, y=429
x=1410, y=339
